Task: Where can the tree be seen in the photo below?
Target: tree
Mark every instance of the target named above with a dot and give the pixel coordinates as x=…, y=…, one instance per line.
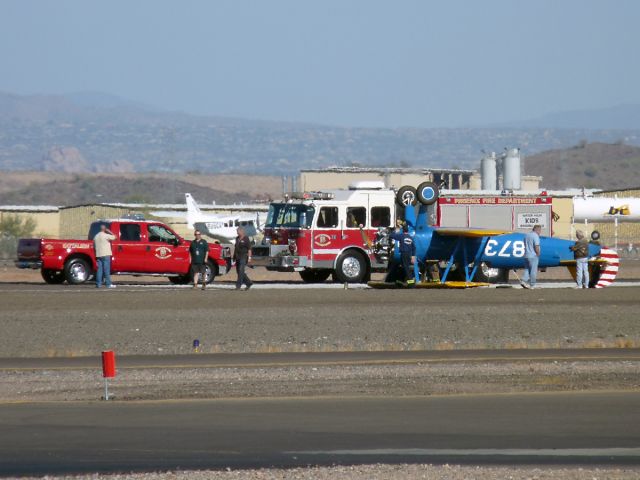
x=12, y=228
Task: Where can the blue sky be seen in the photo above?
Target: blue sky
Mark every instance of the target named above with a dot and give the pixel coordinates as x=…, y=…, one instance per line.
x=340, y=62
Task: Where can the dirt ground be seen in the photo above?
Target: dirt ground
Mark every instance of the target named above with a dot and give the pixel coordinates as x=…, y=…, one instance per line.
x=46, y=320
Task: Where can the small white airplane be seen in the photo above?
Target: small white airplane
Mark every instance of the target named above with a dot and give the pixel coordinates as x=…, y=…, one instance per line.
x=219, y=227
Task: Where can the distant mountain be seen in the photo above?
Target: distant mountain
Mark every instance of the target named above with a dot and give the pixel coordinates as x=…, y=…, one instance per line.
x=620, y=117
x=95, y=133
x=593, y=165
x=91, y=189
x=104, y=100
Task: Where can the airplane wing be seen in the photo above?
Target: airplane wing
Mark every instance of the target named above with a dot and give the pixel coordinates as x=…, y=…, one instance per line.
x=469, y=232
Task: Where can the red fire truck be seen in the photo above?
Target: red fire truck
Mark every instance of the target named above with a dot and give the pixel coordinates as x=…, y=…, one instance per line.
x=344, y=233
x=320, y=234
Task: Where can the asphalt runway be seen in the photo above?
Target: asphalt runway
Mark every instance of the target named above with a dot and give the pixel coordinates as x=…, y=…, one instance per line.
x=559, y=428
x=296, y=359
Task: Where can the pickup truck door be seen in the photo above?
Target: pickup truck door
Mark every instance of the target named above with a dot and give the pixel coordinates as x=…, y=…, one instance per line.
x=162, y=253
x=129, y=252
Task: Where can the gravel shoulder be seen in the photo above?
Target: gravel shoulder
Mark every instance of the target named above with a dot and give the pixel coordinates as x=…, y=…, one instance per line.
x=322, y=380
x=387, y=472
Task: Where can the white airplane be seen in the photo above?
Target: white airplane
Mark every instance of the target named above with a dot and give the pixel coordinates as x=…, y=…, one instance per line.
x=219, y=227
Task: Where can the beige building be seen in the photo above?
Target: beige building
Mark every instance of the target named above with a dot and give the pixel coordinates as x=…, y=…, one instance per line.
x=46, y=218
x=342, y=177
x=74, y=221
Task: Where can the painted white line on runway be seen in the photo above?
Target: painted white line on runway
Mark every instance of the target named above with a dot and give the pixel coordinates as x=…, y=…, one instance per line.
x=484, y=452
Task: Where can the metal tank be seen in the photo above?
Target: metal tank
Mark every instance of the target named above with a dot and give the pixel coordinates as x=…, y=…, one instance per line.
x=511, y=179
x=489, y=177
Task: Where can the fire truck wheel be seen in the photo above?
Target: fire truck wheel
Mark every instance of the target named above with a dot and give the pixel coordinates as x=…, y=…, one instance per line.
x=351, y=267
x=211, y=272
x=407, y=196
x=428, y=193
x=77, y=271
x=52, y=276
x=314, y=275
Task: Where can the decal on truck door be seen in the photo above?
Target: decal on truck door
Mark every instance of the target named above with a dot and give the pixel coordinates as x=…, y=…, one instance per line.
x=322, y=240
x=163, y=253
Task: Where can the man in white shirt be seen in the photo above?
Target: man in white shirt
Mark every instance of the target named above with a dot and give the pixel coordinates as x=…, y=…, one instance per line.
x=102, y=244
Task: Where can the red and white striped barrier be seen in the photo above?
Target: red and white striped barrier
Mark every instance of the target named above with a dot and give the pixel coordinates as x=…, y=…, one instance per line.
x=610, y=269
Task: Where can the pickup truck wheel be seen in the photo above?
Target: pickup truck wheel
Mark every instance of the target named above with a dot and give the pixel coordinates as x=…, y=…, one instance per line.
x=77, y=271
x=314, y=275
x=211, y=272
x=53, y=277
x=351, y=268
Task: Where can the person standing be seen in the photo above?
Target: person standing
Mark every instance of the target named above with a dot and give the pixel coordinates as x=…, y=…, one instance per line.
x=581, y=254
x=407, y=249
x=532, y=256
x=242, y=256
x=102, y=246
x=198, y=256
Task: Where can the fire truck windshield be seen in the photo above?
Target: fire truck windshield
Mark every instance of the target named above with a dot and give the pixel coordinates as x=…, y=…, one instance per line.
x=292, y=215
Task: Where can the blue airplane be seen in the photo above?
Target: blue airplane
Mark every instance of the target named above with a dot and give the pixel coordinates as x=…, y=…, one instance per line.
x=465, y=250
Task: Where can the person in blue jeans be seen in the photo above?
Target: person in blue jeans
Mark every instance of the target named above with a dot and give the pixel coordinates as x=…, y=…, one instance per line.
x=531, y=257
x=581, y=254
x=102, y=245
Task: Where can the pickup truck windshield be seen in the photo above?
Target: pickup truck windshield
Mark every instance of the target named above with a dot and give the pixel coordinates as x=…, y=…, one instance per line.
x=290, y=215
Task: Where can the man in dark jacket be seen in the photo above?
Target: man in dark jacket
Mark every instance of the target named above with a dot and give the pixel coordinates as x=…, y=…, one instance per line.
x=581, y=254
x=198, y=256
x=407, y=249
x=242, y=256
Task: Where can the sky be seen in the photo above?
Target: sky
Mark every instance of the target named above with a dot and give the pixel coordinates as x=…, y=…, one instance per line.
x=367, y=63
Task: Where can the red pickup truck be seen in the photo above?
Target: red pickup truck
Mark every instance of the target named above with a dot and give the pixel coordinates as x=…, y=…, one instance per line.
x=141, y=248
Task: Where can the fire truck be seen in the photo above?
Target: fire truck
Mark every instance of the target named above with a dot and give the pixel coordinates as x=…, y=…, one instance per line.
x=337, y=233
x=345, y=233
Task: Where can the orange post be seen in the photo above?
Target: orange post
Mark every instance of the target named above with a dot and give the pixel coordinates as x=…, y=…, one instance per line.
x=108, y=370
x=108, y=364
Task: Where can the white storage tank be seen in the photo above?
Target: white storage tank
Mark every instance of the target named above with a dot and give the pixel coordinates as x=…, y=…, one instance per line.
x=511, y=179
x=488, y=173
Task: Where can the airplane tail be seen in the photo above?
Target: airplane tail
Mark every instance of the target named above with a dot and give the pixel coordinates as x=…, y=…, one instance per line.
x=602, y=270
x=609, y=269
x=193, y=211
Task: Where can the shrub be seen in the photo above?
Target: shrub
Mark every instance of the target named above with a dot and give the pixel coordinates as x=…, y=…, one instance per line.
x=12, y=228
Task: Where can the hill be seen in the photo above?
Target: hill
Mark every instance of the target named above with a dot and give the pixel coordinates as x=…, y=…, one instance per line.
x=590, y=165
x=619, y=117
x=90, y=133
x=72, y=189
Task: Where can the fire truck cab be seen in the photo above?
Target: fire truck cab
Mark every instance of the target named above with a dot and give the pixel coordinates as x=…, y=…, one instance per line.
x=319, y=234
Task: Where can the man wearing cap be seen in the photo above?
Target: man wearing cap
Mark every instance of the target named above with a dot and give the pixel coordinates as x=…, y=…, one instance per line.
x=198, y=256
